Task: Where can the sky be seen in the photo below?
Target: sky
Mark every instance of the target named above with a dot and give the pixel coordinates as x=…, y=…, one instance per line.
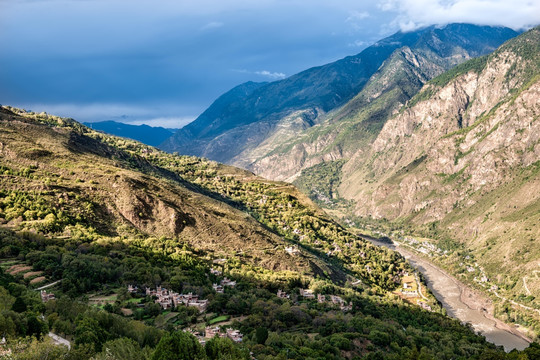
x=163, y=62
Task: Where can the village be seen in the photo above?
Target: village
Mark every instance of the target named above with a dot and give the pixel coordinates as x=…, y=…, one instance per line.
x=170, y=301
x=212, y=331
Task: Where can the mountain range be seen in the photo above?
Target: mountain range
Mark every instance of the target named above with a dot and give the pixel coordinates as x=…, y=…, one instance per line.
x=254, y=125
x=433, y=132
x=151, y=135
x=101, y=218
x=462, y=158
x=430, y=137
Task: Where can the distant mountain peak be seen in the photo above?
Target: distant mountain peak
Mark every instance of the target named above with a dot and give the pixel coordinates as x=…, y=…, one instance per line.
x=146, y=134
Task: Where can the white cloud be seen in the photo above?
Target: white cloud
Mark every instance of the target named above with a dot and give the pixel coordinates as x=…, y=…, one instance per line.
x=165, y=115
x=413, y=14
x=271, y=75
x=212, y=25
x=358, y=43
x=265, y=73
x=357, y=15
x=166, y=122
x=355, y=19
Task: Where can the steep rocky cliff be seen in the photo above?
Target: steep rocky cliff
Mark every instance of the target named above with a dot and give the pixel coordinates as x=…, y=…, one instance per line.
x=255, y=129
x=464, y=157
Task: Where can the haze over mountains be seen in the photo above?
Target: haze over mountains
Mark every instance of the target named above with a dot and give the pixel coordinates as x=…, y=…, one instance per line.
x=151, y=135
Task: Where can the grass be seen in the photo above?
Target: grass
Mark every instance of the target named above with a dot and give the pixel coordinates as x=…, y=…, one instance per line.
x=219, y=319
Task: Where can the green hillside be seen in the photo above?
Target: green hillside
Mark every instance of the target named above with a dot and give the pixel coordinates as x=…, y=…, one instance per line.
x=91, y=214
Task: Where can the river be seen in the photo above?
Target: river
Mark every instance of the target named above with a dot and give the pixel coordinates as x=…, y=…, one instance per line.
x=462, y=303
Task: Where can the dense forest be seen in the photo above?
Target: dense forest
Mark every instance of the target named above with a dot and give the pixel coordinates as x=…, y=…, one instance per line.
x=58, y=227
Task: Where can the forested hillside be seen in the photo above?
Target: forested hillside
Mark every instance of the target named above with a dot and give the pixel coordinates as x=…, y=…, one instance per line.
x=108, y=222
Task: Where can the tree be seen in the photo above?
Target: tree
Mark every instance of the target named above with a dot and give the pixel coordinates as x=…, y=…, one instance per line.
x=88, y=331
x=43, y=350
x=6, y=300
x=36, y=327
x=179, y=346
x=19, y=305
x=123, y=348
x=224, y=349
x=261, y=334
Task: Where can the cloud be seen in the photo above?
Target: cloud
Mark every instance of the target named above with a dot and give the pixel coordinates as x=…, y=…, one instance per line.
x=166, y=122
x=212, y=25
x=358, y=43
x=357, y=15
x=413, y=14
x=355, y=19
x=271, y=75
x=265, y=73
x=165, y=115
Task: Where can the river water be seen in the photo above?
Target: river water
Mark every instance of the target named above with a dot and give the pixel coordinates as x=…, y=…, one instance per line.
x=448, y=291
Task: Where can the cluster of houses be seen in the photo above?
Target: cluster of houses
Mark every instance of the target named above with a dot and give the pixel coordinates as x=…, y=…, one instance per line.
x=45, y=296
x=211, y=332
x=168, y=299
x=220, y=288
x=336, y=300
x=321, y=299
x=409, y=286
x=424, y=247
x=234, y=335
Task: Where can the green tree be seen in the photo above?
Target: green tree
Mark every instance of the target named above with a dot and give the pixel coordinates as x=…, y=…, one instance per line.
x=6, y=300
x=89, y=332
x=19, y=305
x=38, y=350
x=36, y=327
x=179, y=346
x=123, y=348
x=224, y=349
x=261, y=334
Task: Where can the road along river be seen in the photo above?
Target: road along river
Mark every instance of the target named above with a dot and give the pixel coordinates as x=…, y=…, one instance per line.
x=462, y=303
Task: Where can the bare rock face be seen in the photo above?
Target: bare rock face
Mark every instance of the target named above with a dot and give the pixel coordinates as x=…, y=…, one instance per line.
x=329, y=112
x=478, y=126
x=465, y=153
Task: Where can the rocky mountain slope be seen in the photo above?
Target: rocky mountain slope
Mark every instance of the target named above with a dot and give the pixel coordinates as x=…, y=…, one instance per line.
x=104, y=220
x=100, y=185
x=254, y=125
x=462, y=162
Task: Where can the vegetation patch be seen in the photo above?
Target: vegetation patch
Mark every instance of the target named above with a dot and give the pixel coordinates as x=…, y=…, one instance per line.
x=218, y=319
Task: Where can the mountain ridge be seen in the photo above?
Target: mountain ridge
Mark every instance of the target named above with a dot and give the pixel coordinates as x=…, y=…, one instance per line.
x=460, y=164
x=150, y=135
x=304, y=100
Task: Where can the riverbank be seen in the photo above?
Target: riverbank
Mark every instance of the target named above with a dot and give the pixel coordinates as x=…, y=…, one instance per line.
x=463, y=303
x=478, y=301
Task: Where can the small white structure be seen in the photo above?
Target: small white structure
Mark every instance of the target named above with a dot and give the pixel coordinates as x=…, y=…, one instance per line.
x=292, y=250
x=307, y=294
x=46, y=296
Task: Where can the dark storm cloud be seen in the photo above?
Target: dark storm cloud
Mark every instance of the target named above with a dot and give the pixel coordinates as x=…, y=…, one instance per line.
x=166, y=61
